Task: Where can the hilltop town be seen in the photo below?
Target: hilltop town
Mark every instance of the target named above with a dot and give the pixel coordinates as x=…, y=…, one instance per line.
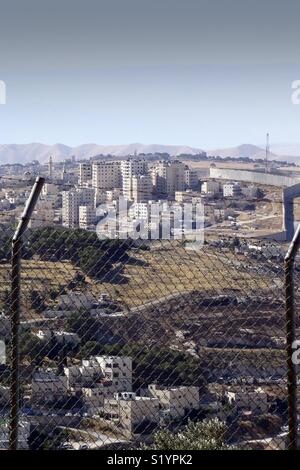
x=114, y=329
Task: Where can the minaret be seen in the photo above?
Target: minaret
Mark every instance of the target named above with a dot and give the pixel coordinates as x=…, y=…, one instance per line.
x=50, y=167
x=63, y=175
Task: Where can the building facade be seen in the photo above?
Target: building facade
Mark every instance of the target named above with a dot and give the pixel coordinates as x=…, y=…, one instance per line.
x=106, y=175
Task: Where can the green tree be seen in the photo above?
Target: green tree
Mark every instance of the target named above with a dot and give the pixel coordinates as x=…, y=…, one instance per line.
x=94, y=262
x=32, y=346
x=37, y=301
x=203, y=435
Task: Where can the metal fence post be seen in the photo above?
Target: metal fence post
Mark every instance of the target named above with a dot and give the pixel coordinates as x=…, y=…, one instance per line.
x=15, y=310
x=290, y=338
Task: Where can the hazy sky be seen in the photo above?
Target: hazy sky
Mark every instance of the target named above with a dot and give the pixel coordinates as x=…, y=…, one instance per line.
x=207, y=73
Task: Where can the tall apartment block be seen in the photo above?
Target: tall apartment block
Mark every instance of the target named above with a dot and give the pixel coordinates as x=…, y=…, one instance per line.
x=87, y=217
x=85, y=172
x=191, y=178
x=71, y=201
x=106, y=175
x=141, y=186
x=132, y=168
x=169, y=177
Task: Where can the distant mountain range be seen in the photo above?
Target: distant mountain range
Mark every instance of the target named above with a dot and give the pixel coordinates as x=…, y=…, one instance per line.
x=288, y=152
x=242, y=151
x=25, y=153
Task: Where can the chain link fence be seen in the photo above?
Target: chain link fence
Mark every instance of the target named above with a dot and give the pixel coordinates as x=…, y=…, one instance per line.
x=129, y=344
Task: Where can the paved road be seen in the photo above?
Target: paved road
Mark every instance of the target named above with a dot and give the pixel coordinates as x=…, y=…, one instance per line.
x=158, y=301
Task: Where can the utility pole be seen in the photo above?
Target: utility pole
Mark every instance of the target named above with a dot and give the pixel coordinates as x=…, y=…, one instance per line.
x=267, y=152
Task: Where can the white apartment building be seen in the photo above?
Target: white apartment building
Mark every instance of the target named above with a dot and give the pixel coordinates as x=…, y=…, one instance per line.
x=176, y=401
x=254, y=400
x=141, y=186
x=87, y=217
x=251, y=191
x=231, y=189
x=115, y=368
x=210, y=187
x=101, y=371
x=71, y=201
x=94, y=396
x=49, y=189
x=106, y=175
x=139, y=210
x=87, y=196
x=191, y=178
x=79, y=377
x=113, y=194
x=130, y=412
x=85, y=172
x=169, y=177
x=130, y=168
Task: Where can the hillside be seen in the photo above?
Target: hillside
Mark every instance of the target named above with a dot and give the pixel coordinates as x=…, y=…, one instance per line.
x=26, y=153
x=243, y=151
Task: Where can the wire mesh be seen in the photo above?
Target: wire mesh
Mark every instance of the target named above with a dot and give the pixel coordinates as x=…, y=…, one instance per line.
x=128, y=344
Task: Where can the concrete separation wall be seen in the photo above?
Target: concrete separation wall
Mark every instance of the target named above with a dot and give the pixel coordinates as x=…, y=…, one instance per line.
x=252, y=177
x=290, y=186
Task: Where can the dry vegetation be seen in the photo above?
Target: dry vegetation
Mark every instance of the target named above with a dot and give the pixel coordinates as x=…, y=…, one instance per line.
x=39, y=275
x=155, y=274
x=148, y=275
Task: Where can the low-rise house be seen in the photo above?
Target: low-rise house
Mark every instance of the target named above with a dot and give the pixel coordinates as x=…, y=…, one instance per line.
x=231, y=189
x=48, y=387
x=246, y=399
x=82, y=376
x=94, y=396
x=74, y=300
x=61, y=337
x=210, y=187
x=133, y=414
x=177, y=401
x=98, y=369
x=116, y=368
